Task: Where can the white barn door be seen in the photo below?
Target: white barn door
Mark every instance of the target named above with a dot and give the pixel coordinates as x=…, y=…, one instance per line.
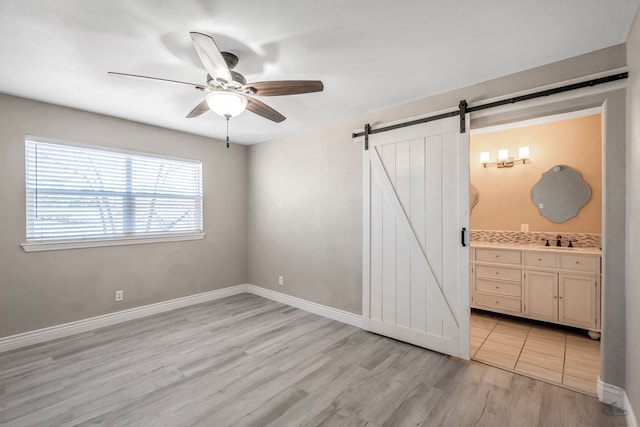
x=416, y=202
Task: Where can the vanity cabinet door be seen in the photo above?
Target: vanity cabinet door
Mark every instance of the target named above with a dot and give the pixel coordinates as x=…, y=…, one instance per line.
x=578, y=300
x=541, y=295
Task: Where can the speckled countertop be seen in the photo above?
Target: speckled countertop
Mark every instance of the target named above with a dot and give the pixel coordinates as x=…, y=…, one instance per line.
x=533, y=247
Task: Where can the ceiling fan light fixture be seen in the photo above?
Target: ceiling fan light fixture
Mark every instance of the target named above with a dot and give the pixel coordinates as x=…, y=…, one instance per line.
x=226, y=104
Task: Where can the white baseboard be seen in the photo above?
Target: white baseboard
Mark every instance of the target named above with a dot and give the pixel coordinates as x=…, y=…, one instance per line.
x=38, y=336
x=66, y=329
x=312, y=307
x=617, y=396
x=610, y=394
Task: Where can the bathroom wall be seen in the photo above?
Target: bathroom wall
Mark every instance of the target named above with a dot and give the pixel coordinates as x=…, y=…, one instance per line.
x=505, y=194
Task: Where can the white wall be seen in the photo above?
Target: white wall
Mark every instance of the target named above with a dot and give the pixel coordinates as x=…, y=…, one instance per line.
x=41, y=289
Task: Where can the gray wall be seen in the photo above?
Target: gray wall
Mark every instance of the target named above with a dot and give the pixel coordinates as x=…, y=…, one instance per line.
x=632, y=382
x=41, y=289
x=305, y=198
x=305, y=216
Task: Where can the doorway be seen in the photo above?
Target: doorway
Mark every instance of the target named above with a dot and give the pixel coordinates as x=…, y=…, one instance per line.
x=611, y=97
x=531, y=303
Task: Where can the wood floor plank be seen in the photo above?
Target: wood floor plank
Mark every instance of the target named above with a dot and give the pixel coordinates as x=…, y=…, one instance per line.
x=248, y=361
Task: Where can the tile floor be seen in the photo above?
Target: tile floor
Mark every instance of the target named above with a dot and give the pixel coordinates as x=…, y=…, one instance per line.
x=554, y=355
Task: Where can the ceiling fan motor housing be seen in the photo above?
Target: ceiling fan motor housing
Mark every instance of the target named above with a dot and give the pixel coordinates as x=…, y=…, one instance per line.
x=238, y=80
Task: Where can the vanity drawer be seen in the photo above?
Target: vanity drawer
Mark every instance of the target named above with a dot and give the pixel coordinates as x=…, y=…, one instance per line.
x=504, y=288
x=498, y=256
x=499, y=273
x=539, y=259
x=498, y=302
x=578, y=262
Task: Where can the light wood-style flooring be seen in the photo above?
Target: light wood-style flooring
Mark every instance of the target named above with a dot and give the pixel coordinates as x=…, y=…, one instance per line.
x=248, y=361
x=556, y=355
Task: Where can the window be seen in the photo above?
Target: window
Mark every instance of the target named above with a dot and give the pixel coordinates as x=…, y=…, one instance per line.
x=79, y=193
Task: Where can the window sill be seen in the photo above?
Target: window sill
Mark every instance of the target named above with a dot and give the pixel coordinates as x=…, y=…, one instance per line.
x=55, y=246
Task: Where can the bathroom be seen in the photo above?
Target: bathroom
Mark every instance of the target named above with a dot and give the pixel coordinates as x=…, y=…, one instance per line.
x=536, y=233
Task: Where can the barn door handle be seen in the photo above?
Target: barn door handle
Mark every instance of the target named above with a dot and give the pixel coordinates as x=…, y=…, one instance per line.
x=464, y=236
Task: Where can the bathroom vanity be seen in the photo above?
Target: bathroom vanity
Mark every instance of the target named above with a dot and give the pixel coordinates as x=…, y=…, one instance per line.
x=552, y=284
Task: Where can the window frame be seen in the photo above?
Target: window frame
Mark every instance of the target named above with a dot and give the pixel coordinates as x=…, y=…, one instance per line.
x=36, y=246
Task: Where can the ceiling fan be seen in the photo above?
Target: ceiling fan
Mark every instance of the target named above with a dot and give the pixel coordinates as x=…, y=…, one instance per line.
x=227, y=91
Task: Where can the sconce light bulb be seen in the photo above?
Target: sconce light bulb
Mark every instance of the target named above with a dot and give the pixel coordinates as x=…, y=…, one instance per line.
x=484, y=157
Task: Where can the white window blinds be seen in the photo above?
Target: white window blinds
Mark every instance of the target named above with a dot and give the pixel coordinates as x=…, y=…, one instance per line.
x=80, y=193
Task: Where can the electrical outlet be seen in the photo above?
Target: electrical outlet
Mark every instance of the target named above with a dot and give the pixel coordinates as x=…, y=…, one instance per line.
x=280, y=280
x=119, y=295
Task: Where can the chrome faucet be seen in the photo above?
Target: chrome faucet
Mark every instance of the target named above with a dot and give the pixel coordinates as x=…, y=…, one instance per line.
x=559, y=241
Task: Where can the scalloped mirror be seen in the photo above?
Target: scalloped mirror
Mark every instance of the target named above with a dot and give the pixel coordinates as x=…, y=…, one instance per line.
x=560, y=193
x=474, y=197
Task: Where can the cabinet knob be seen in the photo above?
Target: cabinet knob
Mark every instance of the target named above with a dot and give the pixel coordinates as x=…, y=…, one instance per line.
x=539, y=259
x=577, y=262
x=497, y=273
x=497, y=287
x=497, y=256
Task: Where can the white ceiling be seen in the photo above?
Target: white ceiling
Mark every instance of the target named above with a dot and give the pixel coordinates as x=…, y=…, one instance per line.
x=370, y=54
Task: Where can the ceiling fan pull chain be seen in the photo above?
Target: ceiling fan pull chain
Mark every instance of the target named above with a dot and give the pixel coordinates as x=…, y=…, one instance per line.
x=227, y=117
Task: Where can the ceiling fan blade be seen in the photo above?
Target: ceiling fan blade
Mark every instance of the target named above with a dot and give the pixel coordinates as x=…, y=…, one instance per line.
x=286, y=87
x=198, y=110
x=211, y=57
x=113, y=73
x=262, y=109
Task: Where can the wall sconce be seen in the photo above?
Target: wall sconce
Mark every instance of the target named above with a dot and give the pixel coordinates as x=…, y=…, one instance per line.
x=504, y=161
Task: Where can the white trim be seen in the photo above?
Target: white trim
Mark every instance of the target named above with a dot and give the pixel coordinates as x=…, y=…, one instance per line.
x=54, y=246
x=617, y=397
x=312, y=307
x=38, y=336
x=35, y=138
x=538, y=121
x=610, y=394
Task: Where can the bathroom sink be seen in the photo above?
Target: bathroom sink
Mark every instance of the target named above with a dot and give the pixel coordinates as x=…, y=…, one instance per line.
x=559, y=248
x=566, y=249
